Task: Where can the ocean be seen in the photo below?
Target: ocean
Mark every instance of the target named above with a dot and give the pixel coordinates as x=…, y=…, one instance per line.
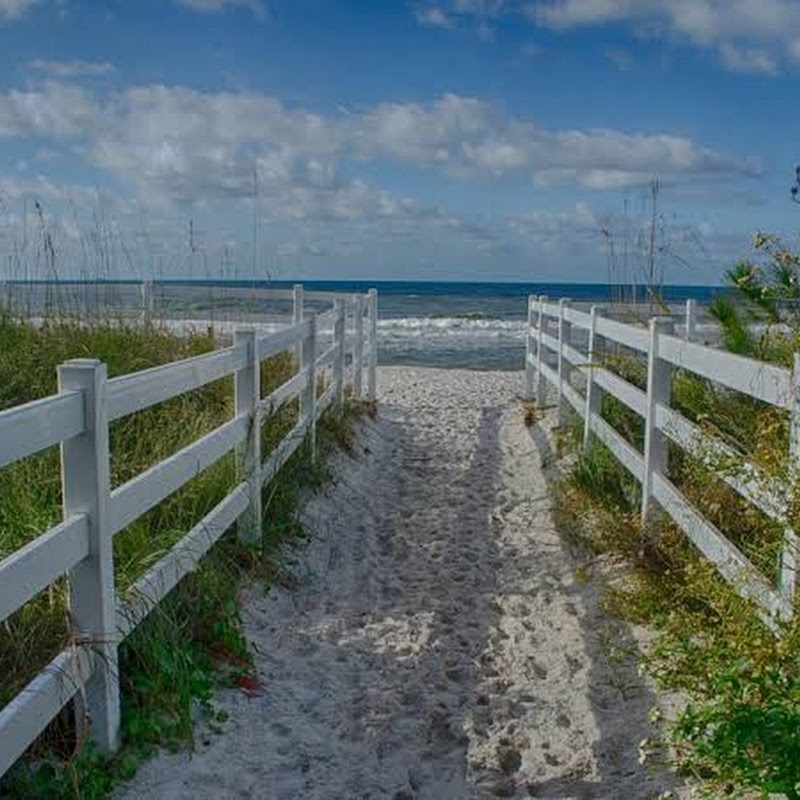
x=421, y=323
x=477, y=325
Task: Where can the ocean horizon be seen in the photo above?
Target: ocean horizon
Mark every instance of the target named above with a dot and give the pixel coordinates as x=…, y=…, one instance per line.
x=458, y=324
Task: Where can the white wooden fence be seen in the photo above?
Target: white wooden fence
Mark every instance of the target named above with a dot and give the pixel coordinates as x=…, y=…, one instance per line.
x=554, y=359
x=80, y=546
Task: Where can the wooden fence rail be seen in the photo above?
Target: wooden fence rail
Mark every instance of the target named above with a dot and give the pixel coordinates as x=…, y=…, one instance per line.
x=80, y=546
x=554, y=359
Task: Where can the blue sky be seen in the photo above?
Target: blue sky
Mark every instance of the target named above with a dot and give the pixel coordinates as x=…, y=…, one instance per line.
x=440, y=139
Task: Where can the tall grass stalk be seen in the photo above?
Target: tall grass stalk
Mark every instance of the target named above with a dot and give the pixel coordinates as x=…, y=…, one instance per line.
x=193, y=640
x=740, y=729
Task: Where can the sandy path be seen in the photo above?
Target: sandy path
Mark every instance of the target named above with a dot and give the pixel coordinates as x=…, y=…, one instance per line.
x=434, y=643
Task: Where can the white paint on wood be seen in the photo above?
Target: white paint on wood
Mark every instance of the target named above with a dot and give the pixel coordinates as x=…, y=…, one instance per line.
x=325, y=360
x=324, y=401
x=659, y=390
x=78, y=418
x=289, y=445
x=140, y=390
x=593, y=396
x=728, y=559
x=35, y=426
x=628, y=394
x=139, y=495
x=85, y=476
x=338, y=363
x=27, y=571
x=274, y=343
x=690, y=321
x=541, y=383
x=308, y=397
x=247, y=402
x=285, y=392
x=771, y=384
x=628, y=335
x=181, y=559
x=358, y=354
x=626, y=454
x=372, y=367
x=766, y=382
x=529, y=360
x=564, y=336
x=30, y=711
x=765, y=492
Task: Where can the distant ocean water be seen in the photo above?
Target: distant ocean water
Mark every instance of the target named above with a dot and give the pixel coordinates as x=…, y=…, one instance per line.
x=421, y=323
x=476, y=325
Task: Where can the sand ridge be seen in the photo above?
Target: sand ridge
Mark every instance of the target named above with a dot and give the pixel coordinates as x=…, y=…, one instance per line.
x=431, y=640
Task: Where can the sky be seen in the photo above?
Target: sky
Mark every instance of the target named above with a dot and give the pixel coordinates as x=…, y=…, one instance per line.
x=530, y=140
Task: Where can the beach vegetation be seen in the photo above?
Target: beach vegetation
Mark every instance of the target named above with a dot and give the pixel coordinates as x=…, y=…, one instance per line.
x=739, y=729
x=193, y=641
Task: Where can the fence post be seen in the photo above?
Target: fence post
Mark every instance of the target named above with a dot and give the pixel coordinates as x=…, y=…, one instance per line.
x=247, y=399
x=564, y=371
x=593, y=396
x=541, y=384
x=146, y=297
x=358, y=356
x=308, y=397
x=339, y=333
x=92, y=599
x=690, y=325
x=788, y=565
x=529, y=350
x=297, y=316
x=659, y=385
x=372, y=367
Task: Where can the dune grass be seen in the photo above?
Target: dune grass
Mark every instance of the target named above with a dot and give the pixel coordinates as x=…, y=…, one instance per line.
x=192, y=641
x=740, y=729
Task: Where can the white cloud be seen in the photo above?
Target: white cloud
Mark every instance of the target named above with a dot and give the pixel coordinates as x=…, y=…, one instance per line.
x=468, y=138
x=178, y=147
x=14, y=9
x=433, y=18
x=56, y=110
x=477, y=14
x=215, y=6
x=749, y=34
x=748, y=60
x=72, y=69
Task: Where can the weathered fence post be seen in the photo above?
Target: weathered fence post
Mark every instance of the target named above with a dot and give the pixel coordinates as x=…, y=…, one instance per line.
x=247, y=399
x=659, y=385
x=788, y=565
x=593, y=391
x=92, y=599
x=541, y=384
x=372, y=367
x=297, y=316
x=358, y=355
x=147, y=303
x=308, y=397
x=529, y=368
x=564, y=370
x=339, y=334
x=690, y=324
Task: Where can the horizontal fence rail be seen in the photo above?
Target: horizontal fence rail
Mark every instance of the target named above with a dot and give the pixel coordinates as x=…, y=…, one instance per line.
x=329, y=357
x=564, y=352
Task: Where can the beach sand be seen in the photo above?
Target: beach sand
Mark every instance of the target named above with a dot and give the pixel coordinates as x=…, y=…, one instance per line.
x=430, y=639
